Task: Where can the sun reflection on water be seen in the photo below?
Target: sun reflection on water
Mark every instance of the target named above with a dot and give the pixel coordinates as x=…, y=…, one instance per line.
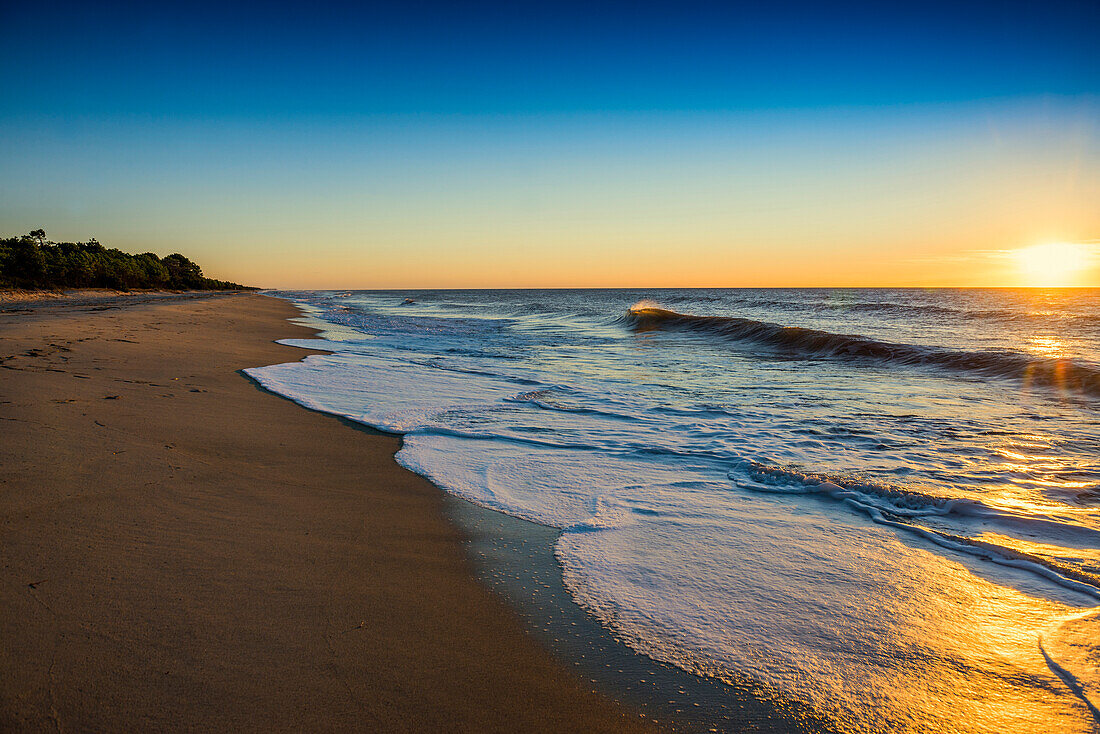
x=1046, y=346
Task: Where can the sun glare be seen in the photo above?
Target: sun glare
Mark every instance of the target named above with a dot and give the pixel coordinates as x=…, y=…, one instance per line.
x=1053, y=264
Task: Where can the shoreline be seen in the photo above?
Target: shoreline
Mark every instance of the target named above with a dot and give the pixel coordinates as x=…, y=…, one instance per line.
x=516, y=558
x=182, y=551
x=823, y=603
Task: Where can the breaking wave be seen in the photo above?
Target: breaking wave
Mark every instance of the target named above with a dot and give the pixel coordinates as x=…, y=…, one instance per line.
x=1060, y=374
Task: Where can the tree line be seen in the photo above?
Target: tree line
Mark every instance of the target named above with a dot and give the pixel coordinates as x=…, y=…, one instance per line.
x=29, y=261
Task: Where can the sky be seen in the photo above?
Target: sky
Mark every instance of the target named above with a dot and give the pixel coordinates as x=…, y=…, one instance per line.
x=557, y=144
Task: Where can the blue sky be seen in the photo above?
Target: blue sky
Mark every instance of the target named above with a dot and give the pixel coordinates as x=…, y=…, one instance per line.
x=406, y=130
x=290, y=59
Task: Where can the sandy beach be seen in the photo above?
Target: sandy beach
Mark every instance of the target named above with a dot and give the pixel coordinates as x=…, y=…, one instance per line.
x=184, y=551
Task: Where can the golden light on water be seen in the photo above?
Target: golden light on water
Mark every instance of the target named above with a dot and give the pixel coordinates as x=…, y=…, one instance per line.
x=1046, y=346
x=1054, y=264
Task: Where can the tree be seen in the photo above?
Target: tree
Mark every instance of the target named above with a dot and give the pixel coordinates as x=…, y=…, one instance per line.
x=29, y=261
x=26, y=263
x=154, y=272
x=182, y=273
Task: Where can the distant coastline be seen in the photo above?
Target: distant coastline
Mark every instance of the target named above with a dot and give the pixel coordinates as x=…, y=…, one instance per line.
x=31, y=263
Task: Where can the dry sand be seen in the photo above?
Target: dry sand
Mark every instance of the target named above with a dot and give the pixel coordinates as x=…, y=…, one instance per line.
x=182, y=551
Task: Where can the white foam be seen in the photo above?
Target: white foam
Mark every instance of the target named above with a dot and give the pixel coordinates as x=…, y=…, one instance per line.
x=878, y=629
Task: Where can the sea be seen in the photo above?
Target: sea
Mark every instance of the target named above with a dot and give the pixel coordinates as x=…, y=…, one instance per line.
x=883, y=504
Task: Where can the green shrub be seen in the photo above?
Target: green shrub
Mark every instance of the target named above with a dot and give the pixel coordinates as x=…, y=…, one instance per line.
x=29, y=261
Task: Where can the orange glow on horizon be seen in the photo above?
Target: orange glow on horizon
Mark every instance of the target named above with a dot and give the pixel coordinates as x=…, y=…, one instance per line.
x=1054, y=264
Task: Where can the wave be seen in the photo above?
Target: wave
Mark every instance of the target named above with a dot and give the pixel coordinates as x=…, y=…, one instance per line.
x=1060, y=374
x=543, y=400
x=892, y=308
x=904, y=509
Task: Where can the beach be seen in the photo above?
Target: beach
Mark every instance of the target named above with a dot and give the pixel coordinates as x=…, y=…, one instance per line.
x=864, y=509
x=521, y=367
x=183, y=550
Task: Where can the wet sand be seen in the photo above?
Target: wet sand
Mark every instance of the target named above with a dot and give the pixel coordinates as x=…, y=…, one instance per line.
x=181, y=550
x=516, y=558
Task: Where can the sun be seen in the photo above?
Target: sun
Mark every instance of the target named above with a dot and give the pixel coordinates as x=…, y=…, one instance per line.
x=1053, y=264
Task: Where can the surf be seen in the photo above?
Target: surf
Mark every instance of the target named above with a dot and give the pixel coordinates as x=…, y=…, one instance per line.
x=1063, y=375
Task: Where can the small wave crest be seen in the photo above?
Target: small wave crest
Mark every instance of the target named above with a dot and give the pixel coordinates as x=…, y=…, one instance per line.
x=898, y=501
x=904, y=508
x=644, y=306
x=1059, y=374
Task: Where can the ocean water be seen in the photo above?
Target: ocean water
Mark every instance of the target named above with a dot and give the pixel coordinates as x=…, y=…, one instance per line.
x=883, y=504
